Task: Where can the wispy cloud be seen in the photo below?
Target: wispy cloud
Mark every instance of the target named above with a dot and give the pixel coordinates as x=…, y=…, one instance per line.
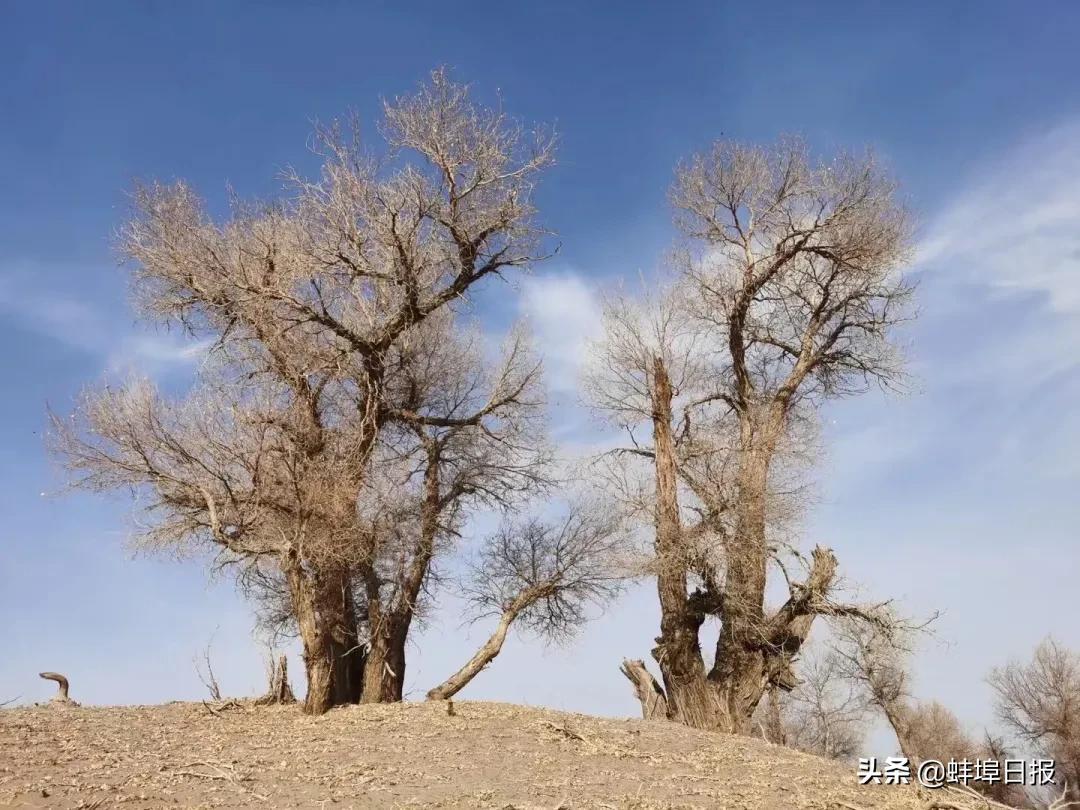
x=1017, y=226
x=948, y=497
x=120, y=344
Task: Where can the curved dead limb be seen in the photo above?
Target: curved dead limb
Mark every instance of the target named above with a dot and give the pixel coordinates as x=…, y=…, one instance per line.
x=62, y=683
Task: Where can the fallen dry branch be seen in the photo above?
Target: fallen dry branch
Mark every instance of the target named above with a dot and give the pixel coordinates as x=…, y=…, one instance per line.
x=225, y=773
x=222, y=706
x=563, y=730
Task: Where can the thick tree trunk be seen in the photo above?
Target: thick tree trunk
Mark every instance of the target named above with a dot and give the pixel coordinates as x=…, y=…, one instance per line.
x=384, y=675
x=384, y=671
x=332, y=654
x=739, y=672
x=773, y=726
x=346, y=650
x=690, y=698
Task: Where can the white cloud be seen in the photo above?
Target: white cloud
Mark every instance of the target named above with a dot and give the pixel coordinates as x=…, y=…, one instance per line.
x=563, y=311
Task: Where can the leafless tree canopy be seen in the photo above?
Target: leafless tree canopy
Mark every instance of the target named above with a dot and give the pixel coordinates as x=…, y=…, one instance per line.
x=1039, y=702
x=561, y=568
x=543, y=576
x=347, y=415
x=350, y=418
x=788, y=292
x=826, y=713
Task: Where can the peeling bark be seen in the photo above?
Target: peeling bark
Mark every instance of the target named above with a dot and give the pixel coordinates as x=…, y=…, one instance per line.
x=690, y=699
x=333, y=656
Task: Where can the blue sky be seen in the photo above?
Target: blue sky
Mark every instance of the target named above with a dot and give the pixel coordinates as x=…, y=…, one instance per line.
x=960, y=496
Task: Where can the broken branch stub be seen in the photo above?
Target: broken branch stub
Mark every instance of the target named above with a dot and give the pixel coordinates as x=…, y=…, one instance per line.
x=648, y=692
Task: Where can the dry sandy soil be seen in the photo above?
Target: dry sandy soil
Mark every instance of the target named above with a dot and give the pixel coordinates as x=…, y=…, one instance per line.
x=487, y=755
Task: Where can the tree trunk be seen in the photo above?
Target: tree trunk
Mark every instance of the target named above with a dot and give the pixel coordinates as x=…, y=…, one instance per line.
x=739, y=671
x=690, y=698
x=346, y=651
x=384, y=675
x=278, y=690
x=332, y=653
x=384, y=670
x=61, y=695
x=773, y=728
x=485, y=655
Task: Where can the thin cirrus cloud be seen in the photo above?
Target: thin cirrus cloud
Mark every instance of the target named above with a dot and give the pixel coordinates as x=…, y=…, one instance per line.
x=80, y=325
x=1002, y=304
x=1017, y=226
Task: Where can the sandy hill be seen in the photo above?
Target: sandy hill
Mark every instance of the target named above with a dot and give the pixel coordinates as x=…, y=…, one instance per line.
x=487, y=755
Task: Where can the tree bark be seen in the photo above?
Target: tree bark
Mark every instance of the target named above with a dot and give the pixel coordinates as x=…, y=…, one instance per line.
x=384, y=675
x=739, y=671
x=61, y=695
x=384, y=670
x=278, y=691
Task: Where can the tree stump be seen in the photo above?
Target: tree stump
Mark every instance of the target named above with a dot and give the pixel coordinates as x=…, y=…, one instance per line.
x=280, y=692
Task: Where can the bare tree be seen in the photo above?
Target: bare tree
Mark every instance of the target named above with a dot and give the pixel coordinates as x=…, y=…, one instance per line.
x=876, y=662
x=542, y=577
x=1039, y=701
x=795, y=275
x=205, y=670
x=705, y=367
x=223, y=470
x=826, y=713
x=312, y=303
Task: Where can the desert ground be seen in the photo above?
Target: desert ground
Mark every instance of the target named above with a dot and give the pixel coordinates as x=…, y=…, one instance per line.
x=483, y=755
